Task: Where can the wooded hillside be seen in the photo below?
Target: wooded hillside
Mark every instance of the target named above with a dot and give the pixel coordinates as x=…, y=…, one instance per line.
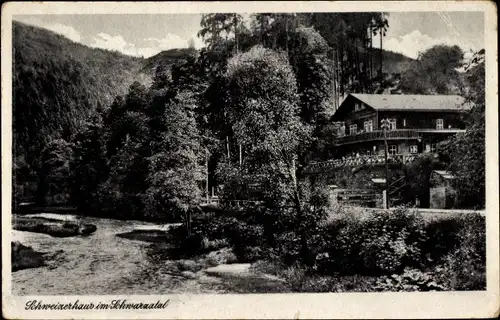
x=58, y=83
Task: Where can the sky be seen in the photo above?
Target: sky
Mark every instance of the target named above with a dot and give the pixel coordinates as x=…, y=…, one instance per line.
x=146, y=35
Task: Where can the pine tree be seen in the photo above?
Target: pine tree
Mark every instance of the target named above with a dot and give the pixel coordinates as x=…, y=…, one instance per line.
x=175, y=170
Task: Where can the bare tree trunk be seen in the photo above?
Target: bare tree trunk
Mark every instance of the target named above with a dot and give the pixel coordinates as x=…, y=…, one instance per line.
x=262, y=31
x=358, y=73
x=240, y=154
x=206, y=173
x=341, y=61
x=304, y=248
x=236, y=32
x=386, y=171
x=237, y=51
x=371, y=53
x=337, y=75
x=188, y=222
x=286, y=33
x=334, y=82
x=381, y=56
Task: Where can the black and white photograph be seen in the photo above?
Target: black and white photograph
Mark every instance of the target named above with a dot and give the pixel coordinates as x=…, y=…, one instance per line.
x=234, y=153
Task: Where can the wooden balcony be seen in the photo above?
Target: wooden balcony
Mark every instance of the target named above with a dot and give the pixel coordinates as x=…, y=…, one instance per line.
x=400, y=134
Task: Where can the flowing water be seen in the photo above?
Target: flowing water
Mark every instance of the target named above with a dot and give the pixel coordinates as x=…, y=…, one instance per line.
x=103, y=263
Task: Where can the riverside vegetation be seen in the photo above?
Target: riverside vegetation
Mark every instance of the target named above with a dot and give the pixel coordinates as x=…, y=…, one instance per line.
x=153, y=151
x=359, y=251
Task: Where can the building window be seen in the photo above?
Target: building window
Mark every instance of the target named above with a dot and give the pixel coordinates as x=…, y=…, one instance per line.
x=341, y=131
x=393, y=149
x=433, y=147
x=413, y=149
x=357, y=106
x=368, y=125
x=439, y=124
x=392, y=124
x=353, y=129
x=404, y=122
x=427, y=148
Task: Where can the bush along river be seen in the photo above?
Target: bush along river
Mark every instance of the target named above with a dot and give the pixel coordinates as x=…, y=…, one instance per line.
x=107, y=261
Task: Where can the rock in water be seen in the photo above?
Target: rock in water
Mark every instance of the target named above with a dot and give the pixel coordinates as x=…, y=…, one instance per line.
x=188, y=274
x=24, y=257
x=87, y=229
x=236, y=269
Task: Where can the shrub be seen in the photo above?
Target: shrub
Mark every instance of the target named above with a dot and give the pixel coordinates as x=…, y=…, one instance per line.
x=410, y=280
x=271, y=265
x=392, y=240
x=384, y=242
x=287, y=247
x=341, y=247
x=300, y=279
x=213, y=228
x=184, y=245
x=464, y=268
x=222, y=256
x=442, y=237
x=246, y=240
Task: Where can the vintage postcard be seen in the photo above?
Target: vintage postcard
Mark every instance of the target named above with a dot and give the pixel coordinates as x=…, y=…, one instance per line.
x=249, y=160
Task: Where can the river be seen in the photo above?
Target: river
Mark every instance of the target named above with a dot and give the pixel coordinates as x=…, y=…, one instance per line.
x=103, y=263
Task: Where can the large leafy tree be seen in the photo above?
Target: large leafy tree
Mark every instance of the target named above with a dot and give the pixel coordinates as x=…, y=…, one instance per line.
x=88, y=164
x=350, y=37
x=174, y=166
x=175, y=169
x=217, y=28
x=466, y=152
x=308, y=56
x=266, y=121
x=434, y=72
x=55, y=173
x=126, y=152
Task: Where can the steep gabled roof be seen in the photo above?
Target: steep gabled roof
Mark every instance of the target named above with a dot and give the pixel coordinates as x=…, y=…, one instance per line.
x=404, y=102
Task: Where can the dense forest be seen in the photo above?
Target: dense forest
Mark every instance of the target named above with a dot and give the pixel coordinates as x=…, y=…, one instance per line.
x=149, y=141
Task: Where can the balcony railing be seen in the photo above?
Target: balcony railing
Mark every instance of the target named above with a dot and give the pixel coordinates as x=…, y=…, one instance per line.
x=400, y=134
x=360, y=161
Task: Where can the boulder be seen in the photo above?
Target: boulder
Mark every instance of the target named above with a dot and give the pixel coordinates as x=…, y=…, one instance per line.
x=87, y=229
x=237, y=269
x=24, y=257
x=188, y=265
x=222, y=256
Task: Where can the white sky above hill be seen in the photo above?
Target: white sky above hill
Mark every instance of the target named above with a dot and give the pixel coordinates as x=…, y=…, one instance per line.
x=146, y=35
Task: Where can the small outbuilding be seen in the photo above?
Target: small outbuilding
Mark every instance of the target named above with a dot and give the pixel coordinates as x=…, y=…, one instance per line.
x=442, y=193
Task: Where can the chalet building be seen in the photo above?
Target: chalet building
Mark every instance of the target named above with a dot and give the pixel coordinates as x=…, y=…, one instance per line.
x=417, y=123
